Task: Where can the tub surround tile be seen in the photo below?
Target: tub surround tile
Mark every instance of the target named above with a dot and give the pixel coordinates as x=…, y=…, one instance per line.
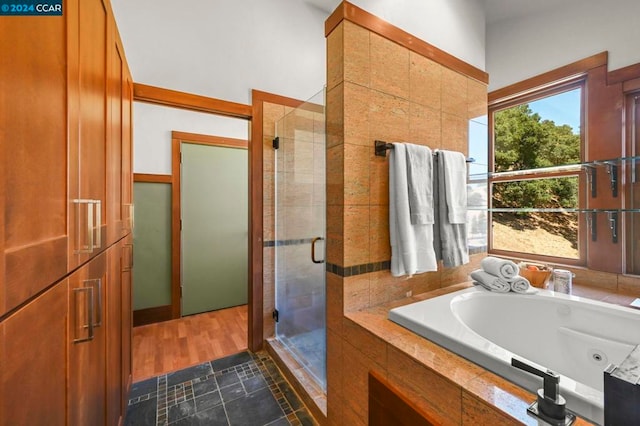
x=425, y=81
x=356, y=175
x=425, y=126
x=357, y=61
x=335, y=116
x=335, y=57
x=356, y=235
x=388, y=118
x=425, y=388
x=629, y=285
x=454, y=93
x=476, y=99
x=464, y=392
x=379, y=247
x=389, y=66
x=356, y=292
x=370, y=346
x=357, y=100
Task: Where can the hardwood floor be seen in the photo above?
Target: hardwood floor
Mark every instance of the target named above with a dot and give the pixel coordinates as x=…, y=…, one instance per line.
x=172, y=345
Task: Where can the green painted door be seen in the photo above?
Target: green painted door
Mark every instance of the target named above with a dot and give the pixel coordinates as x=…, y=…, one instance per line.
x=214, y=200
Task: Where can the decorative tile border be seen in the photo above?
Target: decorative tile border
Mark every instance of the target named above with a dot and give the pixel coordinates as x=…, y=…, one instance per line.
x=350, y=271
x=293, y=242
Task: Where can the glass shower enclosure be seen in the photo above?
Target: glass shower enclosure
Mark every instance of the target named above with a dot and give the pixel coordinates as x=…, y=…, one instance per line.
x=300, y=235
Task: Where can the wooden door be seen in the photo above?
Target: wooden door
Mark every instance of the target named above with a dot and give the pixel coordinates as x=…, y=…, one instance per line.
x=87, y=145
x=33, y=360
x=33, y=131
x=86, y=391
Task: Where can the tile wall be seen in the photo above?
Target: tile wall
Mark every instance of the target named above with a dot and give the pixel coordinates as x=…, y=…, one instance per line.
x=378, y=90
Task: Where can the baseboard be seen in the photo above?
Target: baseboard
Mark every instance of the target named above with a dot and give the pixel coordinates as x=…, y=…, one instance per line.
x=151, y=315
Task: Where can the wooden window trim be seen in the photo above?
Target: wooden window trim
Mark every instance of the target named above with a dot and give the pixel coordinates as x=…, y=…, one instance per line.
x=566, y=79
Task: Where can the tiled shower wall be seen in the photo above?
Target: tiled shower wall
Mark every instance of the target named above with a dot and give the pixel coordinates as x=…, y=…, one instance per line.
x=378, y=90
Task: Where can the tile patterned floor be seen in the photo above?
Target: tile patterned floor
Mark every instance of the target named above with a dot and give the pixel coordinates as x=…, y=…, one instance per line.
x=243, y=389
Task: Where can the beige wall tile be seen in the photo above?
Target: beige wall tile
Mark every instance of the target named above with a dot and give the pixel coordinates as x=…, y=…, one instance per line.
x=454, y=93
x=356, y=114
x=476, y=99
x=335, y=175
x=357, y=65
x=335, y=57
x=371, y=346
x=354, y=381
x=335, y=303
x=423, y=283
x=334, y=362
x=379, y=243
x=425, y=126
x=335, y=235
x=271, y=113
x=335, y=116
x=378, y=284
x=425, y=81
x=356, y=292
x=389, y=67
x=451, y=276
x=388, y=118
x=378, y=178
x=436, y=394
x=455, y=132
x=356, y=235
x=356, y=175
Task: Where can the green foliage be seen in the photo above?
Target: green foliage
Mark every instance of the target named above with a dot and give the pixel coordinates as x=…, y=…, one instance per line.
x=524, y=141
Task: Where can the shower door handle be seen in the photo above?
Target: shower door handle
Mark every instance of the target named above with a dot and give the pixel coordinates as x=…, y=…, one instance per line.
x=313, y=250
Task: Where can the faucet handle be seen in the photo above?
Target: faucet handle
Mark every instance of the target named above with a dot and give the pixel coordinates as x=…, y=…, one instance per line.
x=550, y=380
x=550, y=405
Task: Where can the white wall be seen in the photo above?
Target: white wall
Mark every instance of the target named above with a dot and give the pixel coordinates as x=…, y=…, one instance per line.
x=225, y=48
x=152, y=133
x=520, y=48
x=455, y=26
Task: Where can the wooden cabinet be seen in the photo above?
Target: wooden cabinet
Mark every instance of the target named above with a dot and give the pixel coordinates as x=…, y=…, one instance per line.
x=33, y=342
x=33, y=141
x=66, y=192
x=88, y=288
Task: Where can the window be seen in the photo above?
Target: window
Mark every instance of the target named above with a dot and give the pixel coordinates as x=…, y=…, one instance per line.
x=536, y=179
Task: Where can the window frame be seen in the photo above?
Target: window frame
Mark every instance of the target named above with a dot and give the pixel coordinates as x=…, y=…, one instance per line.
x=530, y=95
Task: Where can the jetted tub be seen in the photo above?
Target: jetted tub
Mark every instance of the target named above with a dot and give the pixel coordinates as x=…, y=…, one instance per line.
x=572, y=336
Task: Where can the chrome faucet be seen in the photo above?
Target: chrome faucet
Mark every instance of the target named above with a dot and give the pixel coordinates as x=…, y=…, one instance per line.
x=550, y=406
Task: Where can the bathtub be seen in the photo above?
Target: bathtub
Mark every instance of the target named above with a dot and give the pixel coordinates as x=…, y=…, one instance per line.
x=572, y=336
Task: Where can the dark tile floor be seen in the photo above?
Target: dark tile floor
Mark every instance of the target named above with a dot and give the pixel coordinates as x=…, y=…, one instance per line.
x=243, y=389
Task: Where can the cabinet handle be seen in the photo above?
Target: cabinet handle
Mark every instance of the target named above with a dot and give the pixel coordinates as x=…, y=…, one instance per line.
x=96, y=284
x=89, y=304
x=98, y=225
x=88, y=248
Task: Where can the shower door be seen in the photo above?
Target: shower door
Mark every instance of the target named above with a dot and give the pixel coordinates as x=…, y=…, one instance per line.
x=300, y=236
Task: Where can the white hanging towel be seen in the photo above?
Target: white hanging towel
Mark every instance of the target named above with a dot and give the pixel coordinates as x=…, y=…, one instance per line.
x=454, y=165
x=411, y=245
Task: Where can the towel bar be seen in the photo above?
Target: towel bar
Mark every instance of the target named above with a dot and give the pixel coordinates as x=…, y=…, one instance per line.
x=381, y=148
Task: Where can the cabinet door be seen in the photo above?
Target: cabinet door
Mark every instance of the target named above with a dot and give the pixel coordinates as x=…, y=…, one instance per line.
x=33, y=360
x=87, y=145
x=127, y=316
x=33, y=177
x=127, y=152
x=113, y=318
x=86, y=393
x=114, y=137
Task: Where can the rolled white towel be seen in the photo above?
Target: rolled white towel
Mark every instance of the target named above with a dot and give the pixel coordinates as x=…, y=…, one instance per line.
x=502, y=268
x=521, y=285
x=491, y=282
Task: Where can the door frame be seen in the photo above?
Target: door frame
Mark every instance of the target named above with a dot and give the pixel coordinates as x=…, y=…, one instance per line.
x=177, y=139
